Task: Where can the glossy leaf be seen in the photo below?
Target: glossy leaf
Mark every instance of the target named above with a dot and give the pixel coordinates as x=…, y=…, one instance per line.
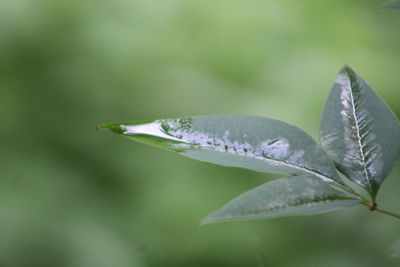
x=301, y=195
x=394, y=250
x=255, y=143
x=394, y=4
x=359, y=131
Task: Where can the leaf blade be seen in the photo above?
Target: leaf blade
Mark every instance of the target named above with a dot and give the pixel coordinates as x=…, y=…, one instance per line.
x=255, y=143
x=394, y=250
x=294, y=196
x=359, y=131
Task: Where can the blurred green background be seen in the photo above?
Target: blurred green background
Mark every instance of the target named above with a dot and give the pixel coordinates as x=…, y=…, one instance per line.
x=71, y=196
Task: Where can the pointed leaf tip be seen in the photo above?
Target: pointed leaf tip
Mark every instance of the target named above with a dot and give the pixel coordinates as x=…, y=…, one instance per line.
x=255, y=143
x=359, y=131
x=347, y=69
x=113, y=127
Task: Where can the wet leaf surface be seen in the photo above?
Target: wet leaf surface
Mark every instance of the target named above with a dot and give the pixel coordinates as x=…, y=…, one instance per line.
x=255, y=143
x=359, y=131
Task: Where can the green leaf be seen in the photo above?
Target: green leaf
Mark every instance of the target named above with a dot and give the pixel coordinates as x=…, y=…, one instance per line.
x=255, y=143
x=394, y=250
x=359, y=131
x=294, y=196
x=394, y=4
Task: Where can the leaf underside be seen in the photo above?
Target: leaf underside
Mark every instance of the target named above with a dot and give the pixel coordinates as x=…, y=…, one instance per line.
x=294, y=196
x=359, y=131
x=255, y=143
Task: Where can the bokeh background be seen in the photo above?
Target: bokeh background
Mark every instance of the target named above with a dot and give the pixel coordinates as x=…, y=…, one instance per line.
x=71, y=196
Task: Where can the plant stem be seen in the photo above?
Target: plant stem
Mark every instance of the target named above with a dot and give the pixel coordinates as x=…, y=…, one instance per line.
x=373, y=207
x=388, y=213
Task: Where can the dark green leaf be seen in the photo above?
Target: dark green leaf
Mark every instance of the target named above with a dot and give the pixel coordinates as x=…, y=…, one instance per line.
x=255, y=143
x=359, y=131
x=301, y=195
x=394, y=4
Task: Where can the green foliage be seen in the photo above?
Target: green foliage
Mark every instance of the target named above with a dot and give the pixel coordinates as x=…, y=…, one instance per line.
x=255, y=143
x=358, y=131
x=71, y=197
x=300, y=195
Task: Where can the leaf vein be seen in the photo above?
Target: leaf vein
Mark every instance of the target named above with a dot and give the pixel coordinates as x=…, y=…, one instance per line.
x=299, y=203
x=362, y=130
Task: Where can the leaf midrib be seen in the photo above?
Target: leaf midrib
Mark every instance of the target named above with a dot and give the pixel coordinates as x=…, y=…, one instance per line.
x=359, y=140
x=281, y=162
x=305, y=203
x=249, y=216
